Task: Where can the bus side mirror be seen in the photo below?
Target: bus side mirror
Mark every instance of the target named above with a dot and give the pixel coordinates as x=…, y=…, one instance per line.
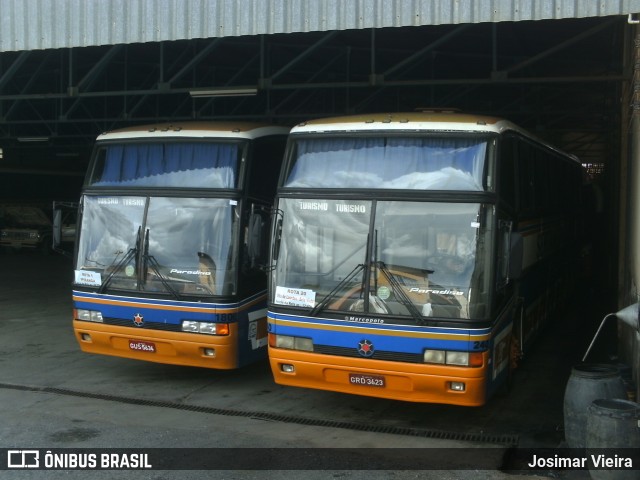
x=57, y=227
x=516, y=251
x=276, y=236
x=255, y=240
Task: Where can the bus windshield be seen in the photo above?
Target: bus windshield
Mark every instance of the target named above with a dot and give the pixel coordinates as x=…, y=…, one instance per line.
x=399, y=258
x=204, y=164
x=391, y=162
x=180, y=246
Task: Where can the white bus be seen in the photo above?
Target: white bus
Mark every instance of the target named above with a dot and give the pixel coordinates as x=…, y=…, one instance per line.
x=169, y=262
x=415, y=256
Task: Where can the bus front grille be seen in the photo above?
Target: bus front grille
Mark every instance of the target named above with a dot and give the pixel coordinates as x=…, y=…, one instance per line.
x=377, y=354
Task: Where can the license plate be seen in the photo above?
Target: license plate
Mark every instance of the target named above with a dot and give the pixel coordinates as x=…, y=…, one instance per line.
x=366, y=380
x=142, y=346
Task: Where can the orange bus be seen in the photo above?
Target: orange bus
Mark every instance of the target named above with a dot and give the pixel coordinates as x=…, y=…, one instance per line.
x=172, y=243
x=416, y=256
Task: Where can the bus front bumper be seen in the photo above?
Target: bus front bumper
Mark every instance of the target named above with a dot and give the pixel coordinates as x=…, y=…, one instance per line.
x=424, y=383
x=176, y=348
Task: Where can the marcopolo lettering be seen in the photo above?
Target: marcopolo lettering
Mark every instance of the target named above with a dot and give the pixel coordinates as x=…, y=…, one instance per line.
x=351, y=318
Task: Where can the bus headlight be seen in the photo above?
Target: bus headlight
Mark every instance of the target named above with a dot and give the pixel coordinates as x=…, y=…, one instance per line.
x=434, y=356
x=450, y=357
x=207, y=328
x=89, y=315
x=457, y=358
x=291, y=343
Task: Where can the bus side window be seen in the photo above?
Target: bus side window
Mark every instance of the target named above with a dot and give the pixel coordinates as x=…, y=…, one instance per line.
x=510, y=252
x=504, y=243
x=526, y=178
x=257, y=239
x=96, y=174
x=507, y=175
x=267, y=154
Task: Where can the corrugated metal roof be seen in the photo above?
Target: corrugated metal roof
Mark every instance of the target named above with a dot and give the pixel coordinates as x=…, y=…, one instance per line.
x=44, y=24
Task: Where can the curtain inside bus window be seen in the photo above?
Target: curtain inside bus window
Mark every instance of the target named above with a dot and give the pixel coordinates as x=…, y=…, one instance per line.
x=109, y=235
x=422, y=163
x=412, y=259
x=192, y=241
x=190, y=165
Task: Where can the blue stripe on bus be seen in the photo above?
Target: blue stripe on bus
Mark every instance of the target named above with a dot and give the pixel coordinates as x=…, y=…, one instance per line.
x=398, y=338
x=170, y=303
x=380, y=341
x=378, y=326
x=165, y=311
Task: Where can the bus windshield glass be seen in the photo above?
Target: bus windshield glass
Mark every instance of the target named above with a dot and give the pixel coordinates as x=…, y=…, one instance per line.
x=172, y=164
x=388, y=162
x=180, y=246
x=396, y=258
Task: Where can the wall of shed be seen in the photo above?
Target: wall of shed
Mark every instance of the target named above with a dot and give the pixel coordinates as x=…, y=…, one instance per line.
x=629, y=204
x=45, y=24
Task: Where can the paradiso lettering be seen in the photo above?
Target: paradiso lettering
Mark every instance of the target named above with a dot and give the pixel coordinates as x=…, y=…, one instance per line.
x=190, y=272
x=435, y=291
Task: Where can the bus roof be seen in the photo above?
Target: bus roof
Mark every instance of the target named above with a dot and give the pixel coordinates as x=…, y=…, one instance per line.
x=246, y=130
x=410, y=121
x=425, y=120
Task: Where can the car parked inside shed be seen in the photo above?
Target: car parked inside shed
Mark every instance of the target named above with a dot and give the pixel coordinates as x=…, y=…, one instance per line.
x=24, y=227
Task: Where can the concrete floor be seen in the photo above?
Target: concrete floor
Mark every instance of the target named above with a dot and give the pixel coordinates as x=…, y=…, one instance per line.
x=54, y=396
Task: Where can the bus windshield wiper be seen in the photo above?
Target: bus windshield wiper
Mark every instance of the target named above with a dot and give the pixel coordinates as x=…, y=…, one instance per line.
x=131, y=254
x=325, y=301
x=150, y=261
x=399, y=292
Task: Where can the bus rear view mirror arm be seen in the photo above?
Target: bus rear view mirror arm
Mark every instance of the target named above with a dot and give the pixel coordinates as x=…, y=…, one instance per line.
x=254, y=239
x=515, y=256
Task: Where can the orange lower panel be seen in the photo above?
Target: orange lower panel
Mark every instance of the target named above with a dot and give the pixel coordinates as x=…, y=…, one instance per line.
x=402, y=381
x=173, y=348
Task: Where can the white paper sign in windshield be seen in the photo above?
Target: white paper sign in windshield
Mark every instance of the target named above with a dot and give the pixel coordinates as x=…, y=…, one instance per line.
x=296, y=297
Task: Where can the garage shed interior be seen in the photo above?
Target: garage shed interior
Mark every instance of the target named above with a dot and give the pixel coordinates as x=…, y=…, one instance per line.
x=561, y=79
x=567, y=71
x=566, y=78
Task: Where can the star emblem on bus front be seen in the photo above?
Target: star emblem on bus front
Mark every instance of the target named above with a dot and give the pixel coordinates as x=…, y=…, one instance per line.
x=365, y=348
x=138, y=320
